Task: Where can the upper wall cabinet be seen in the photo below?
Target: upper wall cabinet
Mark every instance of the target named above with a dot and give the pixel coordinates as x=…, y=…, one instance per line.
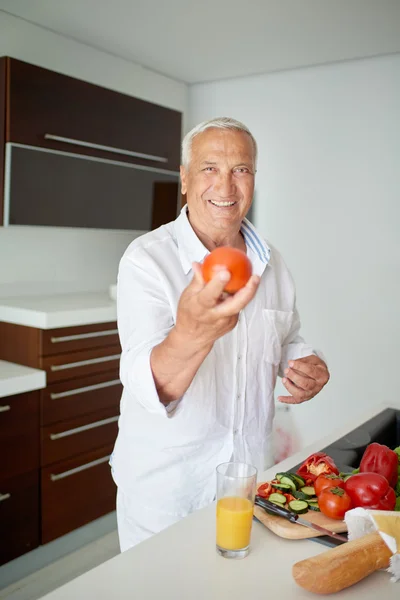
x=53, y=122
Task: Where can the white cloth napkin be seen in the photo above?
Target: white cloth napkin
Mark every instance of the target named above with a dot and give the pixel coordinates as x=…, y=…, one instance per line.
x=360, y=521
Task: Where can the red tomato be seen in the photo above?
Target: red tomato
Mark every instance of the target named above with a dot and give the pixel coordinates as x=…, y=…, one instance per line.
x=327, y=481
x=334, y=502
x=233, y=260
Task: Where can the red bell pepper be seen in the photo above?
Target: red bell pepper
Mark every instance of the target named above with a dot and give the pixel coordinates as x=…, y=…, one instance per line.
x=380, y=459
x=370, y=490
x=317, y=464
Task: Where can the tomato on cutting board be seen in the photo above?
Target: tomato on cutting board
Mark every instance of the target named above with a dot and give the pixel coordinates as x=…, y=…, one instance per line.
x=327, y=481
x=334, y=502
x=233, y=260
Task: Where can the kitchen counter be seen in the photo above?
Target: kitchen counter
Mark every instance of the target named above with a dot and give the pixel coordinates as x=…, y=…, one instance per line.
x=16, y=379
x=59, y=310
x=180, y=563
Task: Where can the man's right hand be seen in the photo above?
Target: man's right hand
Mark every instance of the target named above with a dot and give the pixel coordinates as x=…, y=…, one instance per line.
x=205, y=313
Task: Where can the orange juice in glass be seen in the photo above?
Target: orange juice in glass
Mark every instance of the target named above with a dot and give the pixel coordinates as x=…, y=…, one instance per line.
x=236, y=488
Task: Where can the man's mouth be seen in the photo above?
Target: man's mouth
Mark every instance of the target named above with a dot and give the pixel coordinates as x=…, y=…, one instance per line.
x=221, y=204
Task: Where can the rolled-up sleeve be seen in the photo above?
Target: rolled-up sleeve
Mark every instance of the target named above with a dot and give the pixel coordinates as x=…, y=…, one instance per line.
x=144, y=320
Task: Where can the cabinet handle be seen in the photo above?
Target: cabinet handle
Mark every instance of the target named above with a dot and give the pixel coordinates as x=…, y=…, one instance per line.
x=83, y=336
x=57, y=436
x=66, y=140
x=5, y=408
x=82, y=363
x=4, y=497
x=88, y=465
x=87, y=388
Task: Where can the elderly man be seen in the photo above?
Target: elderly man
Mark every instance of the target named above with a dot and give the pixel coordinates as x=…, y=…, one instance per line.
x=199, y=369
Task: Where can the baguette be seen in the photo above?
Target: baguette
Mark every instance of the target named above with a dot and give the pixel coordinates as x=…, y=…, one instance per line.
x=343, y=566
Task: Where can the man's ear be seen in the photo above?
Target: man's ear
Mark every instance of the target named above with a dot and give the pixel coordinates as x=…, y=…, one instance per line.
x=183, y=179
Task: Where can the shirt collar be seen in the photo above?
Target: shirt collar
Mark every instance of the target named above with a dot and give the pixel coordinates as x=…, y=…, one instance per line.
x=192, y=250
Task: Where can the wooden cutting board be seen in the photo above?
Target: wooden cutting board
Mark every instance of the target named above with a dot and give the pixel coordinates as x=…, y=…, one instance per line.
x=293, y=531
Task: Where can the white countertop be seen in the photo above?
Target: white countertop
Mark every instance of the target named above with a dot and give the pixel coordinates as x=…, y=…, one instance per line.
x=58, y=310
x=16, y=379
x=180, y=563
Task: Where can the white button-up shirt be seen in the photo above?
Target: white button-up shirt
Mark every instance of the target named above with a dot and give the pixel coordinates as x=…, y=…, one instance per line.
x=164, y=459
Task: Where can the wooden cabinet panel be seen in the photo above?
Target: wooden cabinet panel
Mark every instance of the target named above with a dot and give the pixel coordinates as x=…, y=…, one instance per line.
x=19, y=434
x=19, y=515
x=75, y=492
x=44, y=102
x=72, y=339
x=61, y=367
x=76, y=436
x=20, y=344
x=76, y=397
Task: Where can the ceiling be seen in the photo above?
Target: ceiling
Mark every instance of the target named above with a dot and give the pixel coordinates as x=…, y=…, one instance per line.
x=217, y=39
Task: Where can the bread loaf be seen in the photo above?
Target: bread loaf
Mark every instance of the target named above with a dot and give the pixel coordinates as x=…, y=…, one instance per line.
x=343, y=566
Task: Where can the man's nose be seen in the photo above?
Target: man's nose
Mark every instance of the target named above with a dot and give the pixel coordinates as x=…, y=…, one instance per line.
x=225, y=185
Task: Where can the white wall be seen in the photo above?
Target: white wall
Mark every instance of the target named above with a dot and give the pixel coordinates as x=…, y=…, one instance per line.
x=328, y=197
x=32, y=258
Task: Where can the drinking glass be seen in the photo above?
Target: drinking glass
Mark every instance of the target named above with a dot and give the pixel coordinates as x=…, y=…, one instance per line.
x=236, y=489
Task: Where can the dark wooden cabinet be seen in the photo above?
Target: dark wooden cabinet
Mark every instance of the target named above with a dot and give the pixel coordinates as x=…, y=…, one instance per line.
x=64, y=433
x=19, y=440
x=76, y=491
x=19, y=475
x=19, y=515
x=44, y=103
x=120, y=150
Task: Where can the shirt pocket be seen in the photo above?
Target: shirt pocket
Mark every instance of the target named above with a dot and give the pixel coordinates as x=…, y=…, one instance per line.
x=277, y=324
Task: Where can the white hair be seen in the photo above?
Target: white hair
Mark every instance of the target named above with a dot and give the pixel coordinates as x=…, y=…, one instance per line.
x=218, y=123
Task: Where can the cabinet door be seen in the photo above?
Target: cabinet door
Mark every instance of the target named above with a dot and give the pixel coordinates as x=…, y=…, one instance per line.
x=76, y=397
x=55, y=111
x=75, y=492
x=63, y=440
x=19, y=434
x=19, y=515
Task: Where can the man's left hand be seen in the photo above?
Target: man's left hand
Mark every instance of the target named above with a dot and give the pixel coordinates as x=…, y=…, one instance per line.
x=304, y=378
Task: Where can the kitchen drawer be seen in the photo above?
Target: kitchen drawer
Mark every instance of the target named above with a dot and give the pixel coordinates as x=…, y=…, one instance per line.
x=76, y=492
x=61, y=441
x=19, y=434
x=76, y=397
x=61, y=367
x=19, y=515
x=72, y=339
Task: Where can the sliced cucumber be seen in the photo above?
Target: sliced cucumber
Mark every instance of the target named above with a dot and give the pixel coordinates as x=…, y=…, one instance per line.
x=298, y=506
x=308, y=490
x=282, y=486
x=314, y=506
x=300, y=496
x=299, y=481
x=288, y=481
x=277, y=498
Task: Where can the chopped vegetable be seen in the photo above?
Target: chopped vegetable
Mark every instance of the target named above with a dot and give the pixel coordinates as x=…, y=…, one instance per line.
x=280, y=498
x=315, y=465
x=380, y=459
x=298, y=506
